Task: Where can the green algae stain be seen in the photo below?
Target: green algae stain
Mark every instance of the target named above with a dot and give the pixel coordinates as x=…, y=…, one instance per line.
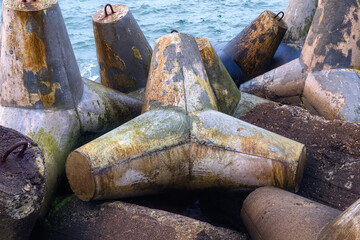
x=59, y=203
x=140, y=36
x=51, y=149
x=46, y=142
x=137, y=53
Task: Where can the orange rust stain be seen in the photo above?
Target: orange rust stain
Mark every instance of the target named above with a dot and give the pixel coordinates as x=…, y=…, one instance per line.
x=252, y=145
x=30, y=5
x=206, y=51
x=124, y=81
x=283, y=175
x=34, y=62
x=158, y=170
x=27, y=46
x=157, y=89
x=108, y=58
x=28, y=53
x=257, y=43
x=49, y=99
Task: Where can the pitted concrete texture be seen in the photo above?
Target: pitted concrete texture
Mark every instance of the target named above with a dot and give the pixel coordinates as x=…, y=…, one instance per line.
x=272, y=213
x=346, y=226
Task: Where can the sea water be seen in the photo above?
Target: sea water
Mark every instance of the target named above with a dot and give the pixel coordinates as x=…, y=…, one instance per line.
x=217, y=20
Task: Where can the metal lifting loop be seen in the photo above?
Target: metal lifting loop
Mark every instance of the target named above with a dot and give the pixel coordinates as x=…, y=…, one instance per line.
x=21, y=153
x=281, y=12
x=112, y=10
x=174, y=31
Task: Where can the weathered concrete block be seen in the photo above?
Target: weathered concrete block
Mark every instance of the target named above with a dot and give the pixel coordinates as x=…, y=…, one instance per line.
x=181, y=141
x=117, y=220
x=42, y=93
x=334, y=94
x=22, y=184
x=31, y=76
x=330, y=51
x=284, y=84
x=253, y=48
x=332, y=41
x=123, y=52
x=271, y=213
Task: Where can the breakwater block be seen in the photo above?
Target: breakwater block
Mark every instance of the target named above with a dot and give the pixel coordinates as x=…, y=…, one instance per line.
x=75, y=219
x=22, y=184
x=123, y=52
x=329, y=62
x=42, y=93
x=254, y=47
x=272, y=213
x=331, y=174
x=181, y=140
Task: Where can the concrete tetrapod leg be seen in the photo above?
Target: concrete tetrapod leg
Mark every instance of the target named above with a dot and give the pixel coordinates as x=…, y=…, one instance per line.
x=334, y=94
x=123, y=52
x=284, y=84
x=181, y=141
x=75, y=219
x=22, y=184
x=298, y=16
x=253, y=48
x=224, y=88
x=326, y=47
x=272, y=213
x=42, y=93
x=346, y=226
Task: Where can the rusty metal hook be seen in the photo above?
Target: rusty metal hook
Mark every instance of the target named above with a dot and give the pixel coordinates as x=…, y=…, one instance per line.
x=174, y=31
x=112, y=10
x=281, y=12
x=21, y=153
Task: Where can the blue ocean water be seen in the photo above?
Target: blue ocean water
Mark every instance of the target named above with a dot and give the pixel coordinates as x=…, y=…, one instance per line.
x=217, y=20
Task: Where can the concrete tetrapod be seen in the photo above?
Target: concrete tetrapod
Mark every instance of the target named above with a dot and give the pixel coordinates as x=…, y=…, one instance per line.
x=253, y=48
x=328, y=63
x=181, y=140
x=272, y=213
x=42, y=93
x=123, y=52
x=22, y=184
